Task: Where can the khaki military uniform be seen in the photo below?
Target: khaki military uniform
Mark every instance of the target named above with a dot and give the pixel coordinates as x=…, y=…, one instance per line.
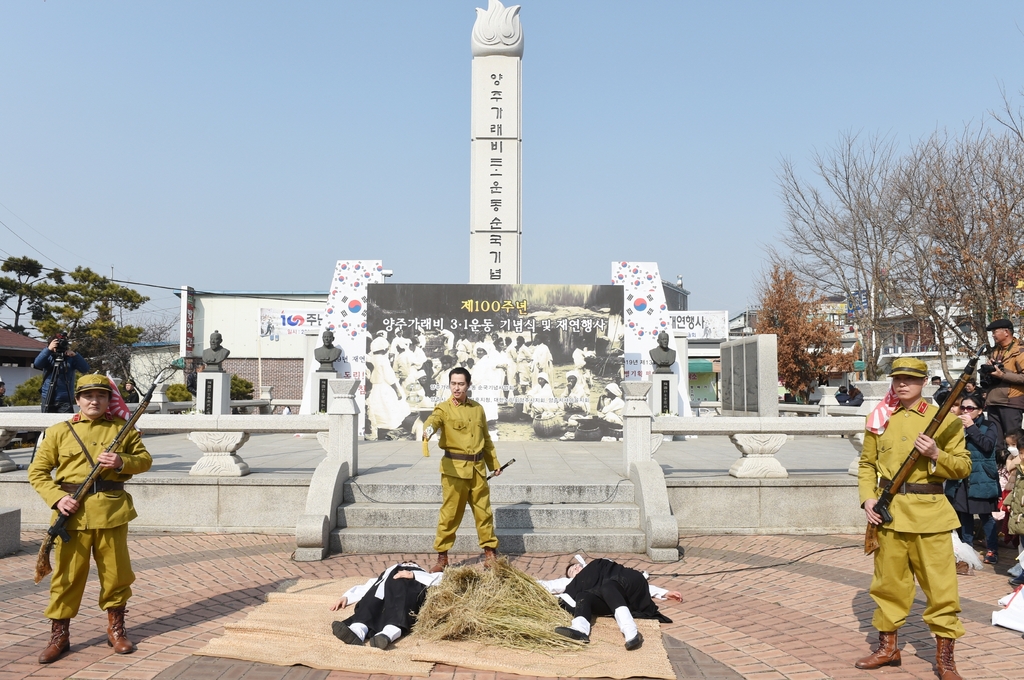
x=100, y=526
x=469, y=454
x=917, y=542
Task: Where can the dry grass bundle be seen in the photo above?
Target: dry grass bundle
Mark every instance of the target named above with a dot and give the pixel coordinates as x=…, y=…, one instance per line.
x=499, y=606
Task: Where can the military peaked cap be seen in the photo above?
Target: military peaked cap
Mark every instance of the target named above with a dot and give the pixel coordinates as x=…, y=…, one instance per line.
x=92, y=382
x=915, y=368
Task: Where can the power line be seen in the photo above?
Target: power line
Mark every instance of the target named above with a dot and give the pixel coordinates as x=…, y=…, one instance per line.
x=17, y=236
x=206, y=293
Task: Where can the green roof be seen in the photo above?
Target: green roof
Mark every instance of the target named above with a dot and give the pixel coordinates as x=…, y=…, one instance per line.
x=701, y=366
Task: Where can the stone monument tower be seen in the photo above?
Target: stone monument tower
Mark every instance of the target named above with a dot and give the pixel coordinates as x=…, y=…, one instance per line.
x=495, y=177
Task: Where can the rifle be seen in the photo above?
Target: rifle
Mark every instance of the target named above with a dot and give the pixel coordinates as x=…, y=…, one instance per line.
x=57, y=530
x=882, y=506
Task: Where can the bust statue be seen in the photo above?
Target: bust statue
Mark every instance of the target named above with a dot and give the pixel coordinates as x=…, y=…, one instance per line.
x=215, y=354
x=662, y=356
x=327, y=354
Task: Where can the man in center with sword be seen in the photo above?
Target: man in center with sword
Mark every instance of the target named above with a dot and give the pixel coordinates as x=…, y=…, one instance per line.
x=467, y=449
x=98, y=522
x=917, y=543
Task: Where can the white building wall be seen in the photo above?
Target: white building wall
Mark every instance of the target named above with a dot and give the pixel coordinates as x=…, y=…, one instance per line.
x=237, y=319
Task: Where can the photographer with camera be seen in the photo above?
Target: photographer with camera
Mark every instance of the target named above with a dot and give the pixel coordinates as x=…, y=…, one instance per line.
x=1003, y=377
x=59, y=365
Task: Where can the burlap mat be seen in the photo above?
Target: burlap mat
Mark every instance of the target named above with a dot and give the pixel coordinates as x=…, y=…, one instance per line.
x=604, y=657
x=294, y=627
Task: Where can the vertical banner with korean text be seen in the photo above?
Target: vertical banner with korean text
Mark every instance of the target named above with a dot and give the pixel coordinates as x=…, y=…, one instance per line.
x=645, y=315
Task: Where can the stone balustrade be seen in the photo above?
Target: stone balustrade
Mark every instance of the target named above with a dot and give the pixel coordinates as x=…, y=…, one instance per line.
x=220, y=437
x=757, y=439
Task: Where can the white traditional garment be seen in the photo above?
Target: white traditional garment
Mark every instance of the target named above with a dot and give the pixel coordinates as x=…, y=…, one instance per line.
x=542, y=360
x=524, y=365
x=463, y=351
x=541, y=399
x=612, y=411
x=576, y=401
x=385, y=407
x=488, y=377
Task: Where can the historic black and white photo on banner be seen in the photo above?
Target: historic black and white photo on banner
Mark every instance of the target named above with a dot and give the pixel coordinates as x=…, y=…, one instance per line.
x=546, y=360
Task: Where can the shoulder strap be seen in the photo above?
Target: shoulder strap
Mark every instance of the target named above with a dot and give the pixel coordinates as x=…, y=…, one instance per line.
x=80, y=442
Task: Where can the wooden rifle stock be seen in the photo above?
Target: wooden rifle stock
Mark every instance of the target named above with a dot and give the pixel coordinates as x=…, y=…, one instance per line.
x=57, y=530
x=901, y=476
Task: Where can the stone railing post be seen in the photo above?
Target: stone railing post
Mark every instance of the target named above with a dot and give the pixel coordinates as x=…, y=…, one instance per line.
x=160, y=398
x=857, y=440
x=267, y=394
x=314, y=526
x=636, y=424
x=758, y=461
x=219, y=454
x=828, y=399
x=6, y=464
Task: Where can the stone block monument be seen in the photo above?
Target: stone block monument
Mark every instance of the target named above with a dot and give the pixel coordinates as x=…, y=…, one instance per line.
x=750, y=377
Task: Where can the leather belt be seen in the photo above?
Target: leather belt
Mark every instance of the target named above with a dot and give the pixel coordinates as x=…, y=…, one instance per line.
x=472, y=458
x=98, y=485
x=915, y=488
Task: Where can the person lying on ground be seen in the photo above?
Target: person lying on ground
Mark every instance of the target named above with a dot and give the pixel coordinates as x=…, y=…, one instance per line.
x=607, y=588
x=385, y=606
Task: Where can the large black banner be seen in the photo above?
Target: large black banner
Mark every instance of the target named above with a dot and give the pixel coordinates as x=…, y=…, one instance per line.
x=546, y=360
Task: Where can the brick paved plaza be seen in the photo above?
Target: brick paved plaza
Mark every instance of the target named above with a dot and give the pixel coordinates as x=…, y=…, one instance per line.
x=809, y=619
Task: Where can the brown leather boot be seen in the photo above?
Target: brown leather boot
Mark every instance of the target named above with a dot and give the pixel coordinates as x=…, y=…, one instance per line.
x=116, y=636
x=60, y=640
x=442, y=562
x=887, y=654
x=945, y=666
x=490, y=555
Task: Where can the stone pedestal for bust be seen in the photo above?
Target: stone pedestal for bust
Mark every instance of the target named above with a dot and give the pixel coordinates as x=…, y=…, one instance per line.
x=321, y=396
x=664, y=394
x=213, y=393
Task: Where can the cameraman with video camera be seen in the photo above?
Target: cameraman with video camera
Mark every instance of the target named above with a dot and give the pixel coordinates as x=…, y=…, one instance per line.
x=59, y=365
x=1003, y=377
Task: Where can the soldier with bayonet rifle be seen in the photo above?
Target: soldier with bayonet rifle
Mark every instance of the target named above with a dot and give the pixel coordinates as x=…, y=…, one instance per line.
x=910, y=448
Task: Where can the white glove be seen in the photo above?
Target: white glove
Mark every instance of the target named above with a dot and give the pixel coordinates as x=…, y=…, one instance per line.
x=429, y=432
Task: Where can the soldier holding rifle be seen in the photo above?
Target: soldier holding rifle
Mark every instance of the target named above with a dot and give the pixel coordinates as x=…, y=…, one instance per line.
x=98, y=522
x=916, y=543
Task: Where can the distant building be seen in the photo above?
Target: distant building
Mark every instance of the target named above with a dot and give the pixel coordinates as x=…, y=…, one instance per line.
x=16, y=355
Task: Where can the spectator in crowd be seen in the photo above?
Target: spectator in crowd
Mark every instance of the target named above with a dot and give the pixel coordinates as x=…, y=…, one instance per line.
x=129, y=393
x=856, y=397
x=3, y=393
x=192, y=377
x=59, y=365
x=977, y=494
x=936, y=380
x=1014, y=502
x=843, y=395
x=1005, y=398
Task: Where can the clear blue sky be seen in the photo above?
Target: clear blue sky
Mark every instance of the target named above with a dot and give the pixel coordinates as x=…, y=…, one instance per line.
x=249, y=145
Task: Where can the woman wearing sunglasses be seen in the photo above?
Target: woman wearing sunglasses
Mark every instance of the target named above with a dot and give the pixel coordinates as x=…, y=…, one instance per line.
x=978, y=494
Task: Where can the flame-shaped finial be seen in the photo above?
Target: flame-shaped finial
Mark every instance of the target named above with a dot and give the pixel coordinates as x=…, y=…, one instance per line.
x=497, y=31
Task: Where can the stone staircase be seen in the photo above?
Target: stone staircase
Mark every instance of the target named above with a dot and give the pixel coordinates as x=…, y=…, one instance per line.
x=394, y=517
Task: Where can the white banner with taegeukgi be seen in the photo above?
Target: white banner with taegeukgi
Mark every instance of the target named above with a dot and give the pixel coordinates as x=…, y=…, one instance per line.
x=645, y=314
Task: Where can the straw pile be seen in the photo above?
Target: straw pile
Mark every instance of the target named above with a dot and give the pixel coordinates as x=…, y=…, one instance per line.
x=498, y=606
